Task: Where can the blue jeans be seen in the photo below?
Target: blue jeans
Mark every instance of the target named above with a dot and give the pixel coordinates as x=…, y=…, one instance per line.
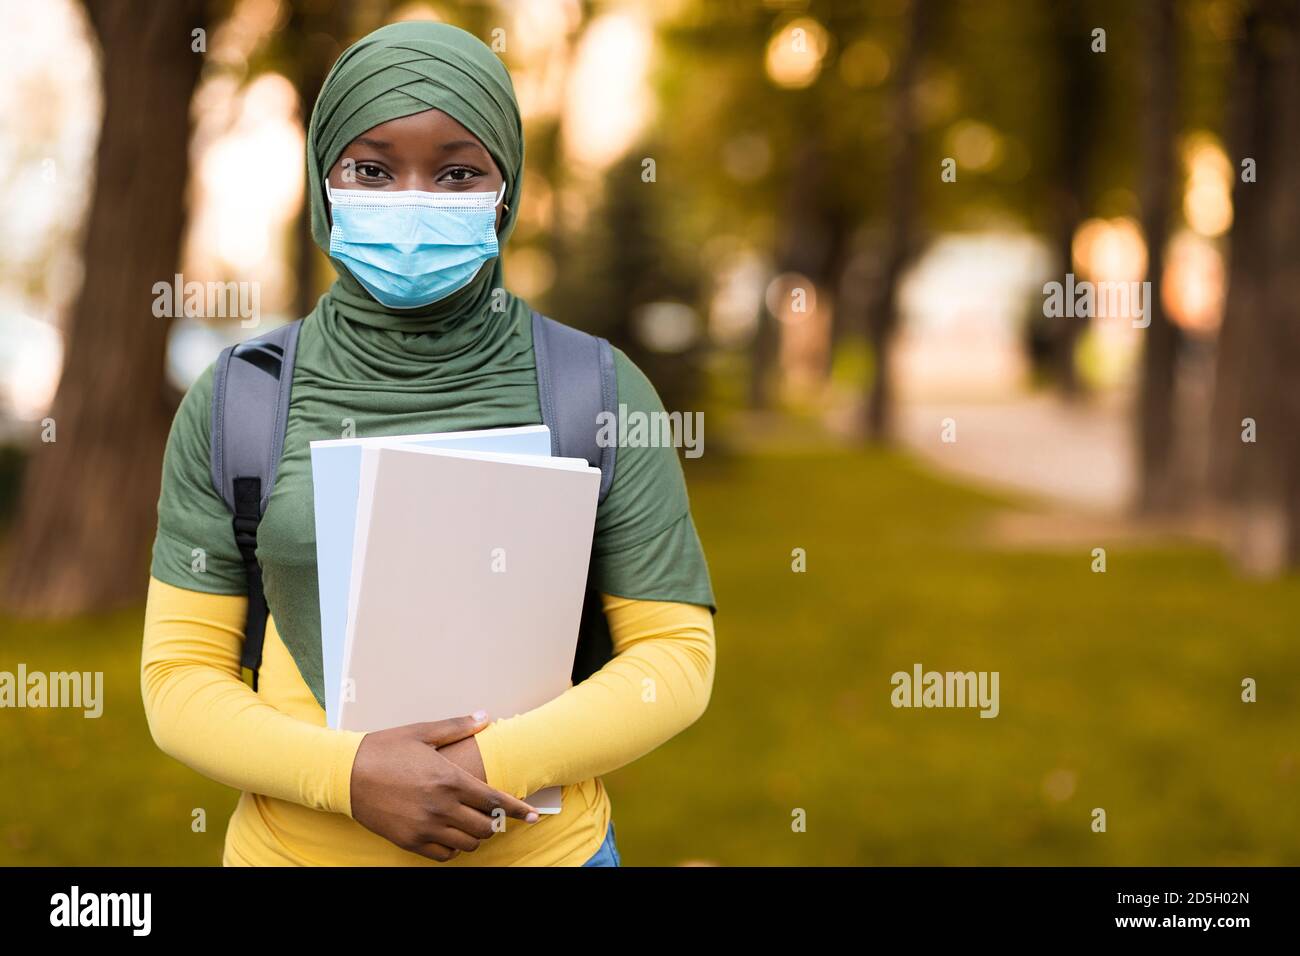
x=607, y=855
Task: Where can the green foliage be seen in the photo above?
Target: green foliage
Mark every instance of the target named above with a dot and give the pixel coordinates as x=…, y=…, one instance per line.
x=631, y=258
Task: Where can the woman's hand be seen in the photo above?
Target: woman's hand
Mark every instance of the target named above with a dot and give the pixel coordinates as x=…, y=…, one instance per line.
x=465, y=754
x=413, y=796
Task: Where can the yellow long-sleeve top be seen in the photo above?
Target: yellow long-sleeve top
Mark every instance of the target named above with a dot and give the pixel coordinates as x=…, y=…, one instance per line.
x=295, y=773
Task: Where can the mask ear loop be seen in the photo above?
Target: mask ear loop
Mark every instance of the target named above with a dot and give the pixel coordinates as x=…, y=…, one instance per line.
x=501, y=195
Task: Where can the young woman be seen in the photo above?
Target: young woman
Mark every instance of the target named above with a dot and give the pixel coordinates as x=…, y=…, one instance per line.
x=400, y=345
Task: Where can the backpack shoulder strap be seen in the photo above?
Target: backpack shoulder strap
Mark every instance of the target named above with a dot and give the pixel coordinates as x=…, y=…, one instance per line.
x=575, y=383
x=250, y=408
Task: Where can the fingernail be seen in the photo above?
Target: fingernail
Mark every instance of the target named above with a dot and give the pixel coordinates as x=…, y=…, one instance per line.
x=479, y=715
x=532, y=818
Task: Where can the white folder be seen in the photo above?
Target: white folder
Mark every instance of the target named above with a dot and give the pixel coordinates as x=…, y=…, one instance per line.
x=469, y=571
x=336, y=481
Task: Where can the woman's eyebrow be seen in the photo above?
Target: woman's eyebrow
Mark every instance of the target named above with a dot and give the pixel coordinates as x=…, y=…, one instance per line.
x=460, y=144
x=376, y=143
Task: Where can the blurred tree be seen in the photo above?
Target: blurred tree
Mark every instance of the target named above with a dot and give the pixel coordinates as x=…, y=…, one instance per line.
x=629, y=261
x=811, y=241
x=782, y=171
x=724, y=148
x=1074, y=125
x=87, y=509
x=1159, y=474
x=882, y=315
x=1256, y=420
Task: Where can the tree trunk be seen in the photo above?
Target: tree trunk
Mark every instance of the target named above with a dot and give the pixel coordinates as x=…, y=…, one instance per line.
x=1238, y=349
x=1076, y=122
x=806, y=246
x=1259, y=345
x=1157, y=426
x=1283, y=291
x=882, y=317
x=87, y=512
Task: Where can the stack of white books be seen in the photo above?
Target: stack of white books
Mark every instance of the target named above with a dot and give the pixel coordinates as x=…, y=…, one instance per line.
x=452, y=572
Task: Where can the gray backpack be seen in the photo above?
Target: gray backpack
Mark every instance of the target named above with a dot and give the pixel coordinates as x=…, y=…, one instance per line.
x=250, y=407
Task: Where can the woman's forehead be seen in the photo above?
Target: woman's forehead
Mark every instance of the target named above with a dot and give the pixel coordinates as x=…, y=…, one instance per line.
x=431, y=128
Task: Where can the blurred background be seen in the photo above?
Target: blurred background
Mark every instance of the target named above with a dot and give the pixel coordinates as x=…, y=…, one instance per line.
x=828, y=226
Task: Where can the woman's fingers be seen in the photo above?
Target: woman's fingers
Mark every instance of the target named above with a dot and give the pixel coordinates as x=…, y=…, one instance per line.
x=455, y=839
x=448, y=842
x=474, y=793
x=435, y=851
x=472, y=822
x=438, y=733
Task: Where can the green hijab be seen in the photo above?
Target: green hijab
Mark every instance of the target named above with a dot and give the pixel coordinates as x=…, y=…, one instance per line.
x=398, y=70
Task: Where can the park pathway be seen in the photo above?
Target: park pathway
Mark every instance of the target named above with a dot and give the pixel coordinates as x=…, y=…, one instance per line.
x=1078, y=455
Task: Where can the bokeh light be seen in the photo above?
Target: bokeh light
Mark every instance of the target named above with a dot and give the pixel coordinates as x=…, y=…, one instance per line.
x=795, y=53
x=1207, y=202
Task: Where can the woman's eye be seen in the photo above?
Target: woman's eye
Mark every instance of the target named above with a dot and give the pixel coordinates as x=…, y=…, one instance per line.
x=370, y=170
x=460, y=174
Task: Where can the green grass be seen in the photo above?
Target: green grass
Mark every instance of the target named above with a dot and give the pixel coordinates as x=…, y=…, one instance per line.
x=1118, y=690
x=1126, y=683
x=96, y=791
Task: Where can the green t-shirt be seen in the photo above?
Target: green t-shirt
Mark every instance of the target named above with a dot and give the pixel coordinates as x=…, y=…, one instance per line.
x=384, y=382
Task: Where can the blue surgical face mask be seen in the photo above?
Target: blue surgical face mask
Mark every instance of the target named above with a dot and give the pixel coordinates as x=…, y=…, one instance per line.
x=412, y=248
